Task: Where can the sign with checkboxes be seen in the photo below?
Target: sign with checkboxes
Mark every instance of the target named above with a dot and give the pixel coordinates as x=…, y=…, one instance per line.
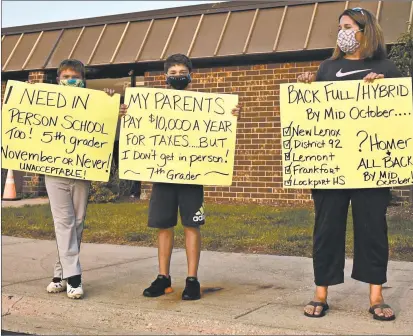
x=347, y=134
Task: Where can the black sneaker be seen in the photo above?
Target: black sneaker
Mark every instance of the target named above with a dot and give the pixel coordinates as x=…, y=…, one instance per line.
x=192, y=289
x=161, y=286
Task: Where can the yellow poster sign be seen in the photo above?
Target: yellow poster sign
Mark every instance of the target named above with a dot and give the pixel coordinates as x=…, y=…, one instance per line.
x=178, y=137
x=347, y=134
x=58, y=130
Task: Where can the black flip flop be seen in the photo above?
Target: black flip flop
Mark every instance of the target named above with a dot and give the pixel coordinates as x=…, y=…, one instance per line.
x=317, y=304
x=378, y=317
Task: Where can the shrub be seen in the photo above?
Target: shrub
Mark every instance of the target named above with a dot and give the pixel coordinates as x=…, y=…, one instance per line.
x=111, y=191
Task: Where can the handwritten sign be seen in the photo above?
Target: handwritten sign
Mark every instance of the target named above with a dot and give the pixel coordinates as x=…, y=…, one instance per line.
x=177, y=137
x=347, y=134
x=58, y=130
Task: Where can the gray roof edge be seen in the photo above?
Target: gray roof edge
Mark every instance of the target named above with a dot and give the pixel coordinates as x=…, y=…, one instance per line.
x=210, y=8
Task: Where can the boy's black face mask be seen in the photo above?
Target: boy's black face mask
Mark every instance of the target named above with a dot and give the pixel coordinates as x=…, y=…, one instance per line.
x=179, y=82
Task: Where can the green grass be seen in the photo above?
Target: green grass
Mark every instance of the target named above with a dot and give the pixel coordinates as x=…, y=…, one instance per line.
x=235, y=228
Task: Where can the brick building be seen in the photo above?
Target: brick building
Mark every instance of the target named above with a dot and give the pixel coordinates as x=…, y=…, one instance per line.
x=243, y=47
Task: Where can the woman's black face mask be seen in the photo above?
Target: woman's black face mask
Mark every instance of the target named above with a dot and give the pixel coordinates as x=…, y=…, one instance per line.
x=179, y=82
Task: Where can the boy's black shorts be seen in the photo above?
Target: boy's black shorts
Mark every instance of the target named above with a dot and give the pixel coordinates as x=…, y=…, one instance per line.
x=166, y=198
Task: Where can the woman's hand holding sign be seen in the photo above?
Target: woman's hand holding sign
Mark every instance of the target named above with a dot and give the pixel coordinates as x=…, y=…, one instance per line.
x=372, y=76
x=306, y=77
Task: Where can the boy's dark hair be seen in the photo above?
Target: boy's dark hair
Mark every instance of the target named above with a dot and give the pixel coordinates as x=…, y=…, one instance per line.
x=177, y=59
x=72, y=64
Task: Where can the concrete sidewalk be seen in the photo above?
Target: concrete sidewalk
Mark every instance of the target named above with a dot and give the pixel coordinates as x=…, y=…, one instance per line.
x=242, y=294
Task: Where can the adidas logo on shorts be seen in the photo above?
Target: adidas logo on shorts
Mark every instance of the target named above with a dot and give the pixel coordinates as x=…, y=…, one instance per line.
x=199, y=215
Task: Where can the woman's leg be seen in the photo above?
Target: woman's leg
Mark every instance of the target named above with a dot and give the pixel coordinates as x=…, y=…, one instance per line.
x=331, y=209
x=371, y=249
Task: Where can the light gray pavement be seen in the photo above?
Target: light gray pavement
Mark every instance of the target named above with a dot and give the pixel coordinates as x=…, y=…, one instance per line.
x=242, y=294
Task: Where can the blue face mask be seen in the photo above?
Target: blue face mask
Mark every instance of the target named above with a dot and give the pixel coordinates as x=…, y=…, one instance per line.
x=72, y=82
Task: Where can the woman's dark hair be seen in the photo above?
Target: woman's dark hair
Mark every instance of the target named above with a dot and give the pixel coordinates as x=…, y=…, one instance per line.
x=372, y=44
x=177, y=59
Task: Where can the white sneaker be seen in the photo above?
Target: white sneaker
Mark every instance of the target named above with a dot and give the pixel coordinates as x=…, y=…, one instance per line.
x=74, y=293
x=57, y=287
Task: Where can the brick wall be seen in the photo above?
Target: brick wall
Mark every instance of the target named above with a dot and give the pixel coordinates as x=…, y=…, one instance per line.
x=40, y=77
x=258, y=165
x=402, y=195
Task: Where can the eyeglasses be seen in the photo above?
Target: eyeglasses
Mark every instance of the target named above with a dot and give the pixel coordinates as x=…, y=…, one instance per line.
x=358, y=9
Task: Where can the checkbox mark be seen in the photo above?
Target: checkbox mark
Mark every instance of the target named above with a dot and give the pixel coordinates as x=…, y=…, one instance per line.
x=287, y=144
x=287, y=156
x=288, y=170
x=287, y=183
x=287, y=131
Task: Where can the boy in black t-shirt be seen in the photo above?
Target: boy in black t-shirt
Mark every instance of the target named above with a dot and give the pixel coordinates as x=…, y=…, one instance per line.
x=165, y=200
